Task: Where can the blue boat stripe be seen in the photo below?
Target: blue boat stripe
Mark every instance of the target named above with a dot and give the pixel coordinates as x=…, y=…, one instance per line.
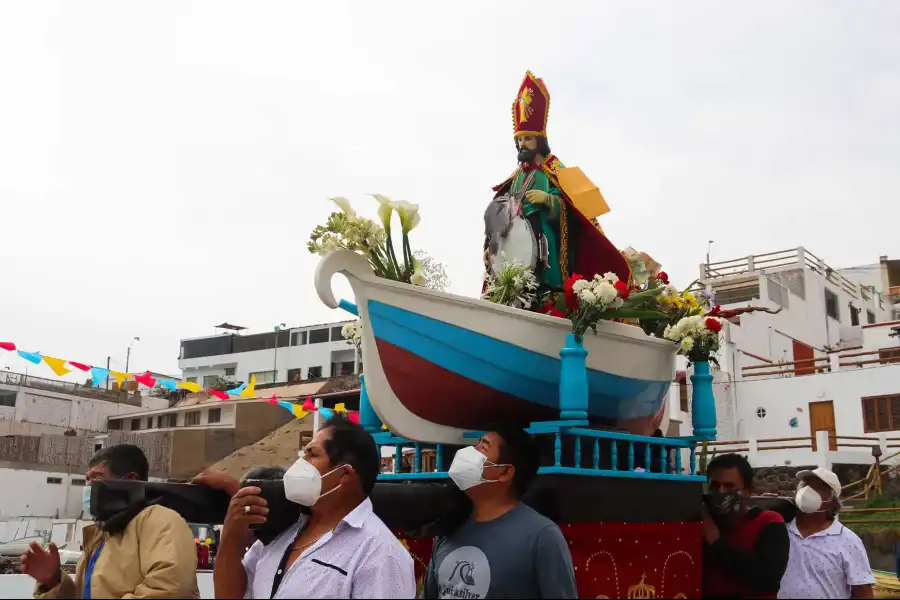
x=507, y=368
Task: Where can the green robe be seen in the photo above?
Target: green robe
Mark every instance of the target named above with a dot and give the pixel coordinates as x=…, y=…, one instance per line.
x=551, y=275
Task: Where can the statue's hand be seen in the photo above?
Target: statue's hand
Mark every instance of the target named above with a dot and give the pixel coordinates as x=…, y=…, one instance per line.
x=537, y=197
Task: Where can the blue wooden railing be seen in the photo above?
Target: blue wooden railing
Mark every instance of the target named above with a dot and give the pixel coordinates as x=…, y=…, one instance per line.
x=606, y=447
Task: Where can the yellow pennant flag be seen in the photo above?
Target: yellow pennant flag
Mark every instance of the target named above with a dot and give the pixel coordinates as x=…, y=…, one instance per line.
x=340, y=408
x=190, y=386
x=57, y=364
x=298, y=411
x=250, y=390
x=120, y=377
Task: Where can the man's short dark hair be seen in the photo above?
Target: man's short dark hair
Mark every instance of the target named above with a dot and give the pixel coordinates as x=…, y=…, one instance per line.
x=520, y=450
x=733, y=461
x=121, y=460
x=351, y=444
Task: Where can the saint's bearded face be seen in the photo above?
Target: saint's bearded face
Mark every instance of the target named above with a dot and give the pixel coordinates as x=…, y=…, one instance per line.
x=527, y=148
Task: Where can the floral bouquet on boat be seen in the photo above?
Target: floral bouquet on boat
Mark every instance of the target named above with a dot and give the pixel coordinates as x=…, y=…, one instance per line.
x=697, y=336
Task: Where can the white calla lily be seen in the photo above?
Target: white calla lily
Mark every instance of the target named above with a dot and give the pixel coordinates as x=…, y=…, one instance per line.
x=344, y=205
x=418, y=278
x=385, y=210
x=409, y=215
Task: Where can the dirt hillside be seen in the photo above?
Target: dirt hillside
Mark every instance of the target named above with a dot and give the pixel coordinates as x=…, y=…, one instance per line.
x=278, y=449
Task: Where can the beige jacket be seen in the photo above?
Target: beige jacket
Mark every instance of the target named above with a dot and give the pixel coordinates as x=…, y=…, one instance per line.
x=155, y=557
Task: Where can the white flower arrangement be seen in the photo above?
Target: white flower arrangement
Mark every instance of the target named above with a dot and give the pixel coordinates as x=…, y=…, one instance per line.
x=599, y=292
x=513, y=285
x=697, y=337
x=352, y=333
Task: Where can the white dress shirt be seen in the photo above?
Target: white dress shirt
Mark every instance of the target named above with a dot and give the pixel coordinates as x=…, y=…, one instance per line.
x=361, y=558
x=826, y=564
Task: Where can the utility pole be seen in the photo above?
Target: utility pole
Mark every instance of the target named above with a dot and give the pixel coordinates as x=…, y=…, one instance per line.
x=107, y=371
x=275, y=364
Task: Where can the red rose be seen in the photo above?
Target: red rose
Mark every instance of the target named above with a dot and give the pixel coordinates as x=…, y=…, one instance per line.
x=622, y=288
x=549, y=308
x=714, y=325
x=569, y=293
x=715, y=311
x=664, y=277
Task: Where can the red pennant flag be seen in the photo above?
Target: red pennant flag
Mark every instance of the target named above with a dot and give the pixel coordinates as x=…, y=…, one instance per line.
x=146, y=379
x=8, y=346
x=308, y=406
x=218, y=394
x=80, y=366
x=353, y=417
x=272, y=400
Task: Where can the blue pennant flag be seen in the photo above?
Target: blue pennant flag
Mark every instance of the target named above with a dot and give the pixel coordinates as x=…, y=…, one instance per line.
x=99, y=375
x=326, y=413
x=169, y=384
x=34, y=357
x=236, y=391
x=286, y=405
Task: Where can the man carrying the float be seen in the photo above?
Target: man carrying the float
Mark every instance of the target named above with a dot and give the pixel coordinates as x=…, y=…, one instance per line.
x=560, y=204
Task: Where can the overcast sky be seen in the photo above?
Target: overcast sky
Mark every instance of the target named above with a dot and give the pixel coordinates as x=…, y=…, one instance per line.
x=162, y=163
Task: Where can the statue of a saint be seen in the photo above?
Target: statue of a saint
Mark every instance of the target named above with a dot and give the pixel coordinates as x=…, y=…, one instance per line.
x=552, y=203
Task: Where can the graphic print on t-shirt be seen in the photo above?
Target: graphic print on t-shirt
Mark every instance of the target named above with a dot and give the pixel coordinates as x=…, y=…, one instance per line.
x=464, y=573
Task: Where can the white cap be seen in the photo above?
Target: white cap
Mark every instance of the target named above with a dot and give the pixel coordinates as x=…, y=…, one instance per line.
x=829, y=478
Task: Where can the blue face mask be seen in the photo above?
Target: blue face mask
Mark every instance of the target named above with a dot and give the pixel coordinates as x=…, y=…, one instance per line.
x=86, y=501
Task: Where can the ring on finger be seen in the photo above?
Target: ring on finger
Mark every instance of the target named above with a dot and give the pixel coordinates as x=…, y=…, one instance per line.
x=246, y=509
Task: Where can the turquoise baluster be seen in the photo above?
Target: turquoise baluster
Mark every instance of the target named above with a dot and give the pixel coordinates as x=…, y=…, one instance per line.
x=398, y=458
x=597, y=453
x=663, y=455
x=367, y=417
x=418, y=458
x=703, y=402
x=614, y=455
x=573, y=386
x=678, y=462
x=577, y=451
x=439, y=458
x=557, y=450
x=648, y=465
x=694, y=460
x=631, y=456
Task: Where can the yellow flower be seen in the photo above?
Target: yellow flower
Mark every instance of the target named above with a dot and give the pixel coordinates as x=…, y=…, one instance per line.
x=691, y=300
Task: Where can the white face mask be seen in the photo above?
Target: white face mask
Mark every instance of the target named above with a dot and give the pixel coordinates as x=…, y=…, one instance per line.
x=808, y=500
x=303, y=483
x=467, y=468
x=86, y=501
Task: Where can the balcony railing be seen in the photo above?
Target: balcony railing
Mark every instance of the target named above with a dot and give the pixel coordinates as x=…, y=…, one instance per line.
x=823, y=364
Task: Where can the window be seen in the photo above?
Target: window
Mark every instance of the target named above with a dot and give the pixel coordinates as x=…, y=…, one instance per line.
x=7, y=398
x=230, y=371
x=170, y=420
x=854, y=315
x=210, y=380
x=870, y=317
x=215, y=415
x=341, y=368
x=831, y=305
x=295, y=374
x=54, y=480
x=80, y=482
x=881, y=413
x=149, y=422
x=298, y=338
x=263, y=377
x=192, y=380
x=778, y=293
x=761, y=412
x=115, y=425
x=135, y=424
x=336, y=335
x=192, y=418
x=314, y=373
x=318, y=336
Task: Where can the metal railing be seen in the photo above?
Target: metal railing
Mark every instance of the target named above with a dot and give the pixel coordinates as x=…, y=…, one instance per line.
x=56, y=385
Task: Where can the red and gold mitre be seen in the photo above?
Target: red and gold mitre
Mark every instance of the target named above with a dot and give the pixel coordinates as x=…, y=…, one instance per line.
x=531, y=107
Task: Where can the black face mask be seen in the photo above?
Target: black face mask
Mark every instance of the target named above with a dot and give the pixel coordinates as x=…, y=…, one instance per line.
x=725, y=504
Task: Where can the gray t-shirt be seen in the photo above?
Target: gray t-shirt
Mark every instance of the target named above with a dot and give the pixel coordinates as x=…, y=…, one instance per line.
x=518, y=555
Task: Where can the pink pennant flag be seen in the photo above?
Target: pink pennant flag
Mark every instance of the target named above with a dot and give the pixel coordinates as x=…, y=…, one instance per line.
x=8, y=346
x=308, y=406
x=146, y=379
x=218, y=394
x=353, y=417
x=272, y=400
x=80, y=366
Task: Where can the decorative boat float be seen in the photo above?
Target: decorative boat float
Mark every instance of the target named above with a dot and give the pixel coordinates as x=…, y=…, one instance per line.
x=438, y=365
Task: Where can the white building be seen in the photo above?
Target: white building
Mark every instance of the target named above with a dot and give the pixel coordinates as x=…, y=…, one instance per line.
x=294, y=354
x=827, y=362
